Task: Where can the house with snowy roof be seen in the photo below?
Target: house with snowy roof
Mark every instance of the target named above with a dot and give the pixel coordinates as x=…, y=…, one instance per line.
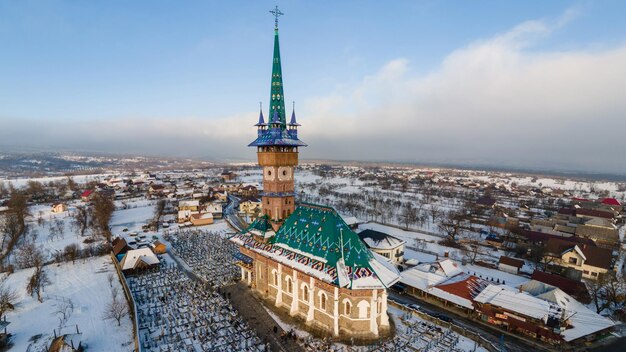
x=445, y=281
x=540, y=311
x=384, y=244
x=592, y=261
x=137, y=259
x=520, y=312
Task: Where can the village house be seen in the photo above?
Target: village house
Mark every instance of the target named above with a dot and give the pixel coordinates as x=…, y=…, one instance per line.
x=386, y=245
x=601, y=231
x=159, y=247
x=201, y=219
x=250, y=205
x=191, y=205
x=228, y=175
x=185, y=216
x=156, y=190
x=221, y=196
x=574, y=288
x=214, y=208
x=249, y=191
x=539, y=311
x=352, y=221
x=87, y=195
x=58, y=208
x=138, y=259
x=510, y=265
x=120, y=246
x=592, y=261
x=535, y=309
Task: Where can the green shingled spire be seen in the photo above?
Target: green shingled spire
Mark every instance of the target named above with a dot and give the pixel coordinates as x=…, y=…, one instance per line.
x=277, y=98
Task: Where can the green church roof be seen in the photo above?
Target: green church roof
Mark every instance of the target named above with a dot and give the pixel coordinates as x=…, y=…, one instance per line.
x=277, y=96
x=320, y=232
x=315, y=239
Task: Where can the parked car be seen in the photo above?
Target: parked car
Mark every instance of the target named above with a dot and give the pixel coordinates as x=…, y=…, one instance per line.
x=442, y=317
x=415, y=307
x=399, y=288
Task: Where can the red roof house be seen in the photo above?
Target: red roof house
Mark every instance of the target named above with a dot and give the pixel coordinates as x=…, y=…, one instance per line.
x=611, y=201
x=87, y=194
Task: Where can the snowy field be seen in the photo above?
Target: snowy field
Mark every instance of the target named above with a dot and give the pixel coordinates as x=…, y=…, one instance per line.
x=85, y=284
x=22, y=182
x=53, y=232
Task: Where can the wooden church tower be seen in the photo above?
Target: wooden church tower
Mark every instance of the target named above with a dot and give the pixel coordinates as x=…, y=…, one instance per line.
x=277, y=147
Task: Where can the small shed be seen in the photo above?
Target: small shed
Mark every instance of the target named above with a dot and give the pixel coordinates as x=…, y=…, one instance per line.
x=510, y=265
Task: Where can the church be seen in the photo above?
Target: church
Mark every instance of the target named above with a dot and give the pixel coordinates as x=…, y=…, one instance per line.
x=303, y=257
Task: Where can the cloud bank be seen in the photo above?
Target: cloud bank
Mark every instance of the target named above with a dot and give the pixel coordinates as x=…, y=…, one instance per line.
x=493, y=102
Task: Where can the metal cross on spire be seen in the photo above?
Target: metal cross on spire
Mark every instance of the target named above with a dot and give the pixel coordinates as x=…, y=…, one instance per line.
x=276, y=12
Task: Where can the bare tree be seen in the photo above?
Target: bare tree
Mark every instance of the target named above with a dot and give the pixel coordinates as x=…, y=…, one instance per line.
x=607, y=291
x=8, y=296
x=434, y=212
x=409, y=215
x=13, y=223
x=64, y=311
x=472, y=247
x=37, y=283
x=116, y=309
x=450, y=225
x=81, y=219
x=158, y=212
x=71, y=252
x=103, y=208
x=59, y=225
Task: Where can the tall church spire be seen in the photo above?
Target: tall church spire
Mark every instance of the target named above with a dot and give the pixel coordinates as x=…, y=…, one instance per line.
x=277, y=98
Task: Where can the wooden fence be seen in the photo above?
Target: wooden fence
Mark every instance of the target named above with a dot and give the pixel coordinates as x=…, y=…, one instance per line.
x=131, y=303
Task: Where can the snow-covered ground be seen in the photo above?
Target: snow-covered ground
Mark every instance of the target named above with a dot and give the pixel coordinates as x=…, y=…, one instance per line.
x=412, y=334
x=22, y=182
x=85, y=284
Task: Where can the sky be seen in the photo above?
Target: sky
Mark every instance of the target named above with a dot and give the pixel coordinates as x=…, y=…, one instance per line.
x=527, y=84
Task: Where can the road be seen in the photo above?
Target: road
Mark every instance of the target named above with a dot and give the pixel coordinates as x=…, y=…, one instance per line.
x=230, y=214
x=493, y=335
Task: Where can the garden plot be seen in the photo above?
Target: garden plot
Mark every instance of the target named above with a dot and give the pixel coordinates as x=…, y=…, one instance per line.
x=81, y=289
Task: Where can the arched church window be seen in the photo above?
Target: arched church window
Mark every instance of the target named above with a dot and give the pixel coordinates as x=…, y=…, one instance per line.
x=305, y=293
x=323, y=301
x=347, y=307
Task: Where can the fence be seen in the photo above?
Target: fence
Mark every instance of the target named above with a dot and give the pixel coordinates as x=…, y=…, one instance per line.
x=458, y=329
x=131, y=302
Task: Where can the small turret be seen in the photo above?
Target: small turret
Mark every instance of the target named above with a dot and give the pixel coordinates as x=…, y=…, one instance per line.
x=262, y=126
x=292, y=127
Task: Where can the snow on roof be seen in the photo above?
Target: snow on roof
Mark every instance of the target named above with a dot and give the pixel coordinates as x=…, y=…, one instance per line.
x=449, y=267
x=582, y=320
x=421, y=277
x=463, y=302
x=135, y=255
x=577, y=250
x=351, y=220
x=386, y=272
x=379, y=240
x=512, y=299
x=188, y=203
